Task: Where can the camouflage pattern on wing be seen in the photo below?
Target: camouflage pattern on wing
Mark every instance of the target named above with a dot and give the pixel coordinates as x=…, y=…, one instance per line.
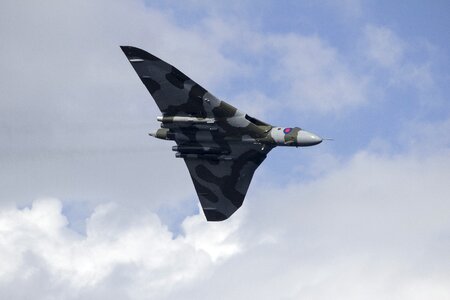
x=222, y=146
x=174, y=93
x=221, y=185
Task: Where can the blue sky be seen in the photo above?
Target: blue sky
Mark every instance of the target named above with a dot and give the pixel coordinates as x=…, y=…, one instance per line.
x=341, y=26
x=91, y=207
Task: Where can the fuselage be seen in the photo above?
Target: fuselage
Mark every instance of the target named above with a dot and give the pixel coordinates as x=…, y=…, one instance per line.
x=221, y=145
x=179, y=128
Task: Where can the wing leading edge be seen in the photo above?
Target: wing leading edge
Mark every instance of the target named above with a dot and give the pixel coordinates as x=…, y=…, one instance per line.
x=174, y=92
x=221, y=181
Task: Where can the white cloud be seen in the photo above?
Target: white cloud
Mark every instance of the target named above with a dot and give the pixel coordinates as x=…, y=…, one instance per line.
x=375, y=227
x=118, y=242
x=428, y=137
x=74, y=116
x=257, y=104
x=387, y=50
x=384, y=46
x=348, y=8
x=316, y=77
x=69, y=66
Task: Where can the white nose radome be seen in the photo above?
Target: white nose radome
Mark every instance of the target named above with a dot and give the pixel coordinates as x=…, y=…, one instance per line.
x=305, y=138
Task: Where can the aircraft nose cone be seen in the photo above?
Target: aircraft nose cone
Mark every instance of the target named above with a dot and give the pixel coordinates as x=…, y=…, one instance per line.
x=305, y=138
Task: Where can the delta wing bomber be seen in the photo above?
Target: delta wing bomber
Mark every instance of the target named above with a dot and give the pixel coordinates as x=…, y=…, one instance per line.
x=221, y=145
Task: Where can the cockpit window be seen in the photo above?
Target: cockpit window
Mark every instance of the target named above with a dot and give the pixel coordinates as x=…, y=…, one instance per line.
x=256, y=121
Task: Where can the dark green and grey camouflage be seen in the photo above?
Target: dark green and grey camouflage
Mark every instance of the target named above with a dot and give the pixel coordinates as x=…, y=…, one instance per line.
x=221, y=145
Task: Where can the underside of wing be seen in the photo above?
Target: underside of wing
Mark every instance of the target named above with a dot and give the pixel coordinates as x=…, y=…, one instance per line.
x=177, y=95
x=218, y=142
x=174, y=92
x=222, y=181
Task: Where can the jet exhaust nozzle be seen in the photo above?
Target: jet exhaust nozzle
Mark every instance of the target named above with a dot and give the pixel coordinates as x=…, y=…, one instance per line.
x=162, y=133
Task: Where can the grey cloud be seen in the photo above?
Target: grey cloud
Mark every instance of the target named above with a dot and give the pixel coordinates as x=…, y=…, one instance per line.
x=387, y=50
x=73, y=117
x=120, y=243
x=73, y=123
x=375, y=227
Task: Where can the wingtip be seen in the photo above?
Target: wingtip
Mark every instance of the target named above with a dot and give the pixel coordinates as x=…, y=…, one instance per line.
x=212, y=215
x=131, y=51
x=126, y=49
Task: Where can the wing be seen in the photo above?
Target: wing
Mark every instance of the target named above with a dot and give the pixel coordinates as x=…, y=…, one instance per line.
x=220, y=154
x=221, y=184
x=174, y=92
x=178, y=95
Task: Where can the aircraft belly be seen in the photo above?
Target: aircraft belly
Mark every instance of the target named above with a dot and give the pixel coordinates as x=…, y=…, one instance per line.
x=222, y=146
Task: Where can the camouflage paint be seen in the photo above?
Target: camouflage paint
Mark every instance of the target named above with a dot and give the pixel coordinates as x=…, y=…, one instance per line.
x=221, y=146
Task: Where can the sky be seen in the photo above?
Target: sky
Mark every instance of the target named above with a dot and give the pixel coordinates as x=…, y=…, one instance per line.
x=92, y=207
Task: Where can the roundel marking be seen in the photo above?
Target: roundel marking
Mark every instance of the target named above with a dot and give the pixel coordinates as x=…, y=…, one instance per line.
x=287, y=130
